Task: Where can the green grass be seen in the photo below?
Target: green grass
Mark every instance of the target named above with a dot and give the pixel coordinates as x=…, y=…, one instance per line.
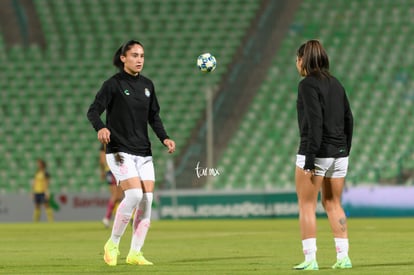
x=377, y=246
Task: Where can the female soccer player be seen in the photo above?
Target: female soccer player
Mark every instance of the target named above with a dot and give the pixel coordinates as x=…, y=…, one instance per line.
x=114, y=189
x=41, y=193
x=131, y=104
x=325, y=125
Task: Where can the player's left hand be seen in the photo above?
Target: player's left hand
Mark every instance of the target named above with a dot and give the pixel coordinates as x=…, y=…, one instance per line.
x=170, y=144
x=309, y=171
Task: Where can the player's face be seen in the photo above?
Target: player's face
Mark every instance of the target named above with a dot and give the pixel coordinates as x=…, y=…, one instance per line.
x=40, y=165
x=134, y=59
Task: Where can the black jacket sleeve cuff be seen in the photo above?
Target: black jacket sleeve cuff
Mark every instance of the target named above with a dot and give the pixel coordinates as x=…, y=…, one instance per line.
x=164, y=138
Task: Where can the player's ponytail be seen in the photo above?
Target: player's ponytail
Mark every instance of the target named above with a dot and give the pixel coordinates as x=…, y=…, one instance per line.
x=116, y=61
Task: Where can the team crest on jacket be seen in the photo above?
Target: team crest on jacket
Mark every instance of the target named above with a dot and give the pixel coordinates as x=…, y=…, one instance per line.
x=147, y=92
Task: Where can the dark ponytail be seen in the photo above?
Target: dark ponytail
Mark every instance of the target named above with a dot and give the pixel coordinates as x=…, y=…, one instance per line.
x=116, y=61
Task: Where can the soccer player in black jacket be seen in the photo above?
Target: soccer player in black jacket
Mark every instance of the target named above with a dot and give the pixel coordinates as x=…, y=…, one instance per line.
x=131, y=104
x=325, y=125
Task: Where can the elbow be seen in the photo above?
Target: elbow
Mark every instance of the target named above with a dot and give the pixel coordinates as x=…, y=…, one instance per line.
x=88, y=114
x=91, y=114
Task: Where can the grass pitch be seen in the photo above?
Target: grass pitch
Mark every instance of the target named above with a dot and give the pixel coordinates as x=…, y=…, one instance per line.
x=377, y=246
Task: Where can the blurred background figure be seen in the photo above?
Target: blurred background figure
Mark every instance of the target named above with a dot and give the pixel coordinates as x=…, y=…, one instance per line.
x=115, y=191
x=40, y=188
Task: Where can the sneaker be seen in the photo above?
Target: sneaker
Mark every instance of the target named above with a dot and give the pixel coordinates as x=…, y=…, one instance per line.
x=111, y=253
x=343, y=263
x=312, y=265
x=137, y=258
x=105, y=221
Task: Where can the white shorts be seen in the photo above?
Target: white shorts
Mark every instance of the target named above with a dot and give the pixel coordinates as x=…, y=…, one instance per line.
x=125, y=166
x=327, y=167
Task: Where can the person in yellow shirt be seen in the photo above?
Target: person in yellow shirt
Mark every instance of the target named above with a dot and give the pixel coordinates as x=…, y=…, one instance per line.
x=41, y=193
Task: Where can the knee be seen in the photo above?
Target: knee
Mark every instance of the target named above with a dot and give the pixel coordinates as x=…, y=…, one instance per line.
x=134, y=195
x=307, y=201
x=330, y=205
x=138, y=195
x=307, y=207
x=146, y=206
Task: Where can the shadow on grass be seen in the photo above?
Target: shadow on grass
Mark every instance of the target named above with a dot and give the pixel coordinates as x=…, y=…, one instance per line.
x=387, y=264
x=210, y=259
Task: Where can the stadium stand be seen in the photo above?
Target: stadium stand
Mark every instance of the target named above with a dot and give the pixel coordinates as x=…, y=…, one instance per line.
x=370, y=50
x=46, y=92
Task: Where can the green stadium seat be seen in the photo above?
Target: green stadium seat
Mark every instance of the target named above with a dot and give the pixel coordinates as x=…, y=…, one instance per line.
x=356, y=47
x=81, y=37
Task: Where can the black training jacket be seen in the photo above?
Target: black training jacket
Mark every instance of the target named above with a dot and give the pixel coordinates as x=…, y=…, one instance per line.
x=325, y=119
x=131, y=104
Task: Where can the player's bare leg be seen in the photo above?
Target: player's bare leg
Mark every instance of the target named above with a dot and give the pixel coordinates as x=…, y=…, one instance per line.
x=331, y=200
x=307, y=189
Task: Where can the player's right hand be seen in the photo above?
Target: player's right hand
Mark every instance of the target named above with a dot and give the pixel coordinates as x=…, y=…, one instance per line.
x=103, y=136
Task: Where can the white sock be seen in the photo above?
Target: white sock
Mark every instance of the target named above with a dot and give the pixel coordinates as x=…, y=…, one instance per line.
x=124, y=212
x=309, y=249
x=142, y=221
x=342, y=247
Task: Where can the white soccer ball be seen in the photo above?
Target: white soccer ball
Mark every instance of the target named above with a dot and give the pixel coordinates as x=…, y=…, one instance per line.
x=206, y=62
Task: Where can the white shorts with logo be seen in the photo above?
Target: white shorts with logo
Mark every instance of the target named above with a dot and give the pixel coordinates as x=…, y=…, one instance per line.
x=125, y=166
x=327, y=167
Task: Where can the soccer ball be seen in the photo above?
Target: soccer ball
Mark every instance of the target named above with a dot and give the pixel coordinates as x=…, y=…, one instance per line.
x=206, y=62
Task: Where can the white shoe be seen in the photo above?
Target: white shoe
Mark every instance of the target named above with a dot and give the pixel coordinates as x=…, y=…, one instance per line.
x=105, y=221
